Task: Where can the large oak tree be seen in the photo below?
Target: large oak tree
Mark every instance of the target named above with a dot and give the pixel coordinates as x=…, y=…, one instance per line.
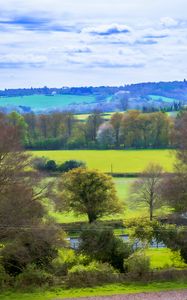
x=88, y=192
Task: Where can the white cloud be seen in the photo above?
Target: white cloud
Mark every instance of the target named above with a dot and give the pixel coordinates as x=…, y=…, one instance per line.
x=21, y=58
x=91, y=42
x=169, y=22
x=107, y=29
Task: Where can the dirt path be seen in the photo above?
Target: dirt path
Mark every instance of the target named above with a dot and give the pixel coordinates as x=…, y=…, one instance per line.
x=172, y=295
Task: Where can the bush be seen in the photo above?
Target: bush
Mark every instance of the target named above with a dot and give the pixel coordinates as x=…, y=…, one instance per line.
x=51, y=166
x=138, y=265
x=39, y=163
x=70, y=165
x=91, y=275
x=102, y=245
x=15, y=257
x=5, y=279
x=33, y=277
x=31, y=247
x=66, y=259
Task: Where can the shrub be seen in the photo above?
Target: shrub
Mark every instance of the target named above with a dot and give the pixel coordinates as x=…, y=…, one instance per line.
x=5, y=279
x=66, y=259
x=15, y=258
x=70, y=165
x=31, y=247
x=138, y=265
x=103, y=245
x=39, y=163
x=33, y=277
x=91, y=275
x=51, y=166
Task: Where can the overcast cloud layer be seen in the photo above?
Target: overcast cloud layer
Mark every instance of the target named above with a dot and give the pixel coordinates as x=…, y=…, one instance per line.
x=91, y=42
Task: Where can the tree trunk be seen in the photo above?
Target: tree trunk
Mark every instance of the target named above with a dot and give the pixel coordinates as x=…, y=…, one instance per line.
x=91, y=217
x=151, y=209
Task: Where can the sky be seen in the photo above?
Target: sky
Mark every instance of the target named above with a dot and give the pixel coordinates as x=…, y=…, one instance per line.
x=59, y=43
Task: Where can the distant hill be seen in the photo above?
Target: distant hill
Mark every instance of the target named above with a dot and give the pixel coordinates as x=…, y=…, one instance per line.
x=151, y=95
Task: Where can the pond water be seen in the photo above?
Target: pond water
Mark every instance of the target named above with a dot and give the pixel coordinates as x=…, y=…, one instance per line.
x=74, y=242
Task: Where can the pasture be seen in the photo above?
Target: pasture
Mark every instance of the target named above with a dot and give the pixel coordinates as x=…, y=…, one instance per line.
x=44, y=102
x=115, y=161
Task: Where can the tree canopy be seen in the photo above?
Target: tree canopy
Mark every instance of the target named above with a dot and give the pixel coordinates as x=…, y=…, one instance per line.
x=88, y=192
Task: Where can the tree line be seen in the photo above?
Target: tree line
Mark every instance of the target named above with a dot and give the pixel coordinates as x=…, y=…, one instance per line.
x=132, y=129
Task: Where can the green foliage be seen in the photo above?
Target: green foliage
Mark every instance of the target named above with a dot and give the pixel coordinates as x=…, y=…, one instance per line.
x=88, y=192
x=45, y=143
x=51, y=166
x=164, y=258
x=70, y=165
x=18, y=121
x=101, y=244
x=138, y=265
x=91, y=275
x=5, y=279
x=66, y=259
x=139, y=130
x=33, y=277
x=37, y=247
x=145, y=231
x=176, y=239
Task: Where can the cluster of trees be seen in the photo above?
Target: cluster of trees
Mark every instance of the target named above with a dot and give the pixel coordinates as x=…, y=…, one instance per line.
x=136, y=130
x=132, y=129
x=43, y=164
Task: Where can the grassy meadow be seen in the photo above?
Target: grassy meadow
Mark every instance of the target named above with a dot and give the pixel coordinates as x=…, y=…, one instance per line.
x=119, y=161
x=44, y=102
x=164, y=258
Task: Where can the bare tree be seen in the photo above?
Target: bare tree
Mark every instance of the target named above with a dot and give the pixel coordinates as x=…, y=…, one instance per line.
x=21, y=189
x=145, y=190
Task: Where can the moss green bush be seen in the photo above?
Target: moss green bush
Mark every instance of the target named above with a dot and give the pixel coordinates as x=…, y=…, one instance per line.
x=66, y=259
x=34, y=277
x=91, y=275
x=138, y=265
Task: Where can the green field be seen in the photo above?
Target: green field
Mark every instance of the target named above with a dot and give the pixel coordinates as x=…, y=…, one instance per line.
x=164, y=259
x=119, y=161
x=107, y=290
x=84, y=117
x=44, y=103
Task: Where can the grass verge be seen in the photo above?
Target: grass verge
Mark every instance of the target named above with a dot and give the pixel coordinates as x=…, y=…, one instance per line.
x=107, y=290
